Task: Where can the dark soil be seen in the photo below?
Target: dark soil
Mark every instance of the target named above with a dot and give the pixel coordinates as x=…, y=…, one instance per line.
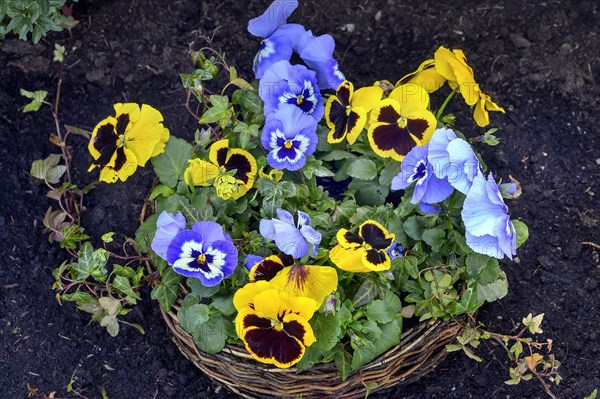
x=537, y=59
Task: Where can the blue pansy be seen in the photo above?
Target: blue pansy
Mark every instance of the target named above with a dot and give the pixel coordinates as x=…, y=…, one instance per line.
x=508, y=190
x=279, y=38
x=317, y=53
x=292, y=239
x=429, y=209
x=204, y=252
x=290, y=136
x=395, y=251
x=167, y=227
x=489, y=229
x=416, y=168
x=291, y=86
x=453, y=159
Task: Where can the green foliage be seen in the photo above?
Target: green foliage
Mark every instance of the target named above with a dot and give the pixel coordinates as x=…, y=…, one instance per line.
x=170, y=165
x=38, y=17
x=37, y=99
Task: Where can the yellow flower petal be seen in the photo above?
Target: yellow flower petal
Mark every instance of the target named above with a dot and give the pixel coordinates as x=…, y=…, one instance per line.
x=218, y=152
x=349, y=259
x=122, y=165
x=442, y=64
x=366, y=97
x=411, y=98
x=315, y=282
x=426, y=76
x=199, y=172
x=244, y=297
x=273, y=302
x=110, y=121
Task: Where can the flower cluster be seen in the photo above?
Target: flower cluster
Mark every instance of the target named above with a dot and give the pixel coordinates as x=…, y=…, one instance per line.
x=331, y=252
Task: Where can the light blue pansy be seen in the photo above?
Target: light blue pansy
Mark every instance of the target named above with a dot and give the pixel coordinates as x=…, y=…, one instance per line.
x=292, y=239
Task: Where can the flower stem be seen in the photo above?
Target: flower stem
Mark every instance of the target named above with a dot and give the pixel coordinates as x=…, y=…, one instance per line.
x=444, y=104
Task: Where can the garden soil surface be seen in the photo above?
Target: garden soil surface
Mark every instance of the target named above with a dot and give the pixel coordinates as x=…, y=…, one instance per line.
x=540, y=60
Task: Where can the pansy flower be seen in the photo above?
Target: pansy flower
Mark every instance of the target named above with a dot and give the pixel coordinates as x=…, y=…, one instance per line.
x=346, y=112
x=121, y=143
x=279, y=39
x=285, y=85
x=290, y=136
x=401, y=122
x=317, y=53
x=395, y=251
x=275, y=330
x=425, y=76
x=217, y=172
x=417, y=169
x=167, y=227
x=365, y=251
x=292, y=239
x=315, y=282
x=489, y=229
x=454, y=160
x=204, y=252
x=453, y=66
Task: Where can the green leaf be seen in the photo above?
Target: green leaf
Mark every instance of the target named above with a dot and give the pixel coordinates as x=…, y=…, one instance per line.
x=343, y=362
x=384, y=311
x=90, y=263
x=111, y=305
x=434, y=238
x=211, y=335
x=388, y=173
x=390, y=336
x=327, y=331
x=191, y=318
x=522, y=232
x=37, y=98
x=411, y=265
x=145, y=232
x=170, y=165
x=107, y=237
x=366, y=293
x=494, y=290
x=593, y=395
x=414, y=227
x=122, y=284
x=363, y=168
x=224, y=304
x=200, y=289
x=468, y=303
x=167, y=291
x=111, y=324
x=242, y=84
x=249, y=101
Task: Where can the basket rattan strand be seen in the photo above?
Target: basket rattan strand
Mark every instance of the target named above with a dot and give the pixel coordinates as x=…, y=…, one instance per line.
x=421, y=349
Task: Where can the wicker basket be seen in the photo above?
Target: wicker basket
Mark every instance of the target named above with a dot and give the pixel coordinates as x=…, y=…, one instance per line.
x=421, y=349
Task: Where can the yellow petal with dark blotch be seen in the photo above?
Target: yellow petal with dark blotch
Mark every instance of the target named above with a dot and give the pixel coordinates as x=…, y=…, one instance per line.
x=344, y=92
x=244, y=297
x=131, y=109
x=245, y=165
x=266, y=269
x=218, y=152
x=376, y=260
x=376, y=235
x=103, y=142
x=315, y=282
x=348, y=239
x=299, y=328
x=366, y=97
x=411, y=98
x=247, y=318
x=421, y=125
x=349, y=259
x=336, y=119
x=199, y=172
x=274, y=346
x=275, y=304
x=144, y=134
x=122, y=165
x=357, y=118
x=442, y=64
x=386, y=111
x=391, y=140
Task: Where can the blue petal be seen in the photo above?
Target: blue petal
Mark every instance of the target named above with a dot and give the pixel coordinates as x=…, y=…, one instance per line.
x=225, y=257
x=330, y=76
x=463, y=165
x=286, y=159
x=272, y=50
x=289, y=240
x=269, y=134
x=252, y=260
x=211, y=232
x=294, y=121
x=303, y=219
x=180, y=244
x=285, y=217
x=313, y=238
x=274, y=16
x=479, y=214
x=438, y=155
x=168, y=225
x=267, y=229
x=293, y=32
x=428, y=208
x=317, y=53
x=416, y=156
x=486, y=244
x=436, y=190
x=507, y=236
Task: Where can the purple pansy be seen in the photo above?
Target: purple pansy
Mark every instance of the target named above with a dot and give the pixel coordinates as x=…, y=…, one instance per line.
x=317, y=53
x=292, y=239
x=453, y=159
x=252, y=260
x=395, y=251
x=416, y=168
x=204, y=252
x=489, y=229
x=290, y=136
x=279, y=39
x=291, y=86
x=167, y=227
